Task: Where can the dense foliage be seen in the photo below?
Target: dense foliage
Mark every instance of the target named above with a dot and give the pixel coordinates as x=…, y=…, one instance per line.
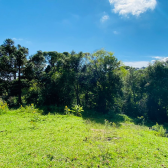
x=95, y=81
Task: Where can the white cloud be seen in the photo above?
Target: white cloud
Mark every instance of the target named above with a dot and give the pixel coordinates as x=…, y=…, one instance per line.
x=160, y=58
x=134, y=7
x=104, y=18
x=17, y=39
x=140, y=64
x=137, y=64
x=157, y=57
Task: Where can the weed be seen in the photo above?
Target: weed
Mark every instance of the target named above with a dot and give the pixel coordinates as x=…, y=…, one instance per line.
x=107, y=123
x=3, y=107
x=77, y=110
x=27, y=109
x=160, y=130
x=67, y=110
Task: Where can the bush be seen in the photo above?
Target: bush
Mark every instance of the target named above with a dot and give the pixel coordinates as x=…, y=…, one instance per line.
x=76, y=110
x=3, y=107
x=13, y=102
x=160, y=130
x=67, y=110
x=29, y=109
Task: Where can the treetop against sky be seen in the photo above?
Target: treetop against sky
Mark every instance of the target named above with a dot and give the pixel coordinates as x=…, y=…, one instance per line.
x=135, y=30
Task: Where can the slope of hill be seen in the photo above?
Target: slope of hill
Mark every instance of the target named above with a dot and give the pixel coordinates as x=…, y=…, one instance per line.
x=34, y=140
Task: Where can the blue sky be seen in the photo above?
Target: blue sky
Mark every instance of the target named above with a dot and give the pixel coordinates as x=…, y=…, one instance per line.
x=135, y=30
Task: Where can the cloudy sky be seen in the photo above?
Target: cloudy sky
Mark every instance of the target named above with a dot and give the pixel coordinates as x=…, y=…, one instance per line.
x=135, y=30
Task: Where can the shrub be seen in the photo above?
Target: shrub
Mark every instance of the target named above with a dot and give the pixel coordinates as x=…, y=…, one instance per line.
x=3, y=107
x=109, y=124
x=160, y=130
x=29, y=109
x=67, y=110
x=13, y=102
x=77, y=110
x=123, y=117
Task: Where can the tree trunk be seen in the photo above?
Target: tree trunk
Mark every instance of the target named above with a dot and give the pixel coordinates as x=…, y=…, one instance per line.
x=20, y=101
x=77, y=94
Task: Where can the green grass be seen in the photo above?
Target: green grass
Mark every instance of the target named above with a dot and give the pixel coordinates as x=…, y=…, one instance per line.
x=33, y=140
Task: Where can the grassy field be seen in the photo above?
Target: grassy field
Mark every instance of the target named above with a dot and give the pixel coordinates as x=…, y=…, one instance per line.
x=34, y=140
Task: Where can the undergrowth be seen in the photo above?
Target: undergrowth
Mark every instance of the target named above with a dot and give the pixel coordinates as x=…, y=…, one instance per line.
x=3, y=107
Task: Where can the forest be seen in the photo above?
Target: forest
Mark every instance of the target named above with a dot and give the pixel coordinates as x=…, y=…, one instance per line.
x=98, y=82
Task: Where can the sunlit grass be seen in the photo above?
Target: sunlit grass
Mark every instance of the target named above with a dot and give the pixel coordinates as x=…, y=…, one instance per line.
x=34, y=140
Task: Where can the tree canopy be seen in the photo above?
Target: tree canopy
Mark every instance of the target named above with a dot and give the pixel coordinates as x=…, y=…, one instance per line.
x=95, y=81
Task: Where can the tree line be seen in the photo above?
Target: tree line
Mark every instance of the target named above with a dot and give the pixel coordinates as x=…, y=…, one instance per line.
x=95, y=81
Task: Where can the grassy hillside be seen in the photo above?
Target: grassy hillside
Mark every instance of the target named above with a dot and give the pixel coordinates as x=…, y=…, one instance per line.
x=34, y=140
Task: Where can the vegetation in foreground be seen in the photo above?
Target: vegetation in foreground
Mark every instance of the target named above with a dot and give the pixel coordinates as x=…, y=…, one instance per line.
x=29, y=139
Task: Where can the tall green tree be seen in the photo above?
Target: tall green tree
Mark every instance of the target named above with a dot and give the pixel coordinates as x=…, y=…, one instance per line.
x=21, y=59
x=157, y=91
x=12, y=62
x=7, y=60
x=135, y=93
x=105, y=81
